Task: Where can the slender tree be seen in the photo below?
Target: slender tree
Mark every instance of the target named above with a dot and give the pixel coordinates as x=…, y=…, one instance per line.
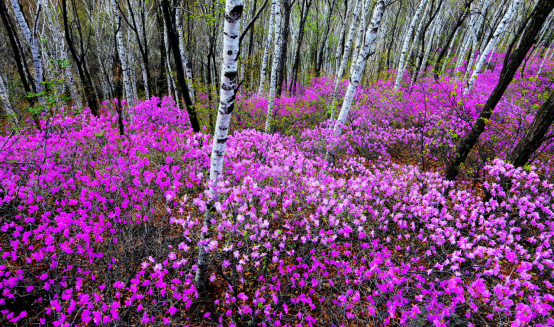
x=227, y=93
x=276, y=58
x=407, y=39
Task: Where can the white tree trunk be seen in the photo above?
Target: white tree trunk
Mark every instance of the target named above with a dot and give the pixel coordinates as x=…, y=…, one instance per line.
x=345, y=55
x=492, y=43
x=122, y=56
x=233, y=12
x=405, y=46
x=429, y=44
x=276, y=58
x=168, y=76
x=144, y=42
x=359, y=40
x=22, y=22
x=546, y=55
x=61, y=51
x=8, y=110
x=358, y=71
x=263, y=71
x=33, y=40
x=186, y=65
x=131, y=66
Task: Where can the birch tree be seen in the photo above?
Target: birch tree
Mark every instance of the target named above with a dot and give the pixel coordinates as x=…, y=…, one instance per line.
x=274, y=68
x=186, y=64
x=354, y=81
x=33, y=39
x=263, y=71
x=406, y=44
x=345, y=55
x=492, y=43
x=227, y=93
x=122, y=53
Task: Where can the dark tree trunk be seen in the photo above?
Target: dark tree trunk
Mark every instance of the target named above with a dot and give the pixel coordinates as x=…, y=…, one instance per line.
x=539, y=15
x=163, y=69
x=303, y=17
x=251, y=40
x=173, y=41
x=84, y=75
x=392, y=35
x=319, y=63
x=534, y=136
x=283, y=60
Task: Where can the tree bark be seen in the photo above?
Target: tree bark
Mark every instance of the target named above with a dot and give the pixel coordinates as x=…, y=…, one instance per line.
x=16, y=48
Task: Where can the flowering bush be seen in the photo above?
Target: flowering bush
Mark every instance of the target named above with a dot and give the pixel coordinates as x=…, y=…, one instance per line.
x=100, y=228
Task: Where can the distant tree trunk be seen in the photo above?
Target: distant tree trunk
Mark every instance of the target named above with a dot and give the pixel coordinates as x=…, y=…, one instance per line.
x=59, y=42
x=325, y=37
x=393, y=38
x=186, y=64
x=306, y=4
x=263, y=71
x=370, y=35
x=8, y=110
x=492, y=43
x=423, y=65
x=274, y=68
x=451, y=38
x=137, y=24
x=227, y=93
x=534, y=135
x=174, y=41
x=84, y=75
x=167, y=65
x=407, y=39
x=539, y=14
x=341, y=44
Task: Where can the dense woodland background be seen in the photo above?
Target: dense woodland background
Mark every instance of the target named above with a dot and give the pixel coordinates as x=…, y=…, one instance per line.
x=276, y=163
x=93, y=51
